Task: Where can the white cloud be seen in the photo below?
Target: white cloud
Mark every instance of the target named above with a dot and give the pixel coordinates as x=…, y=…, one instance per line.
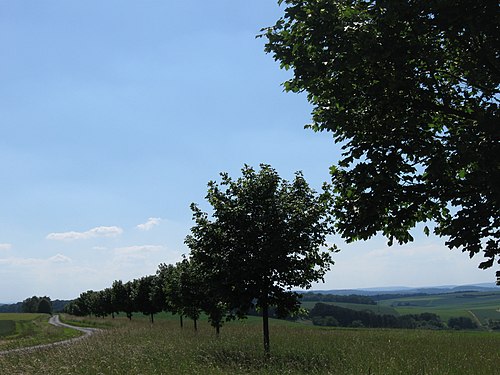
x=59, y=258
x=152, y=222
x=92, y=233
x=5, y=246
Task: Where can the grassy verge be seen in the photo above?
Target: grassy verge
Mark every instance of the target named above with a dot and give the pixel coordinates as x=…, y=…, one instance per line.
x=31, y=330
x=138, y=347
x=88, y=322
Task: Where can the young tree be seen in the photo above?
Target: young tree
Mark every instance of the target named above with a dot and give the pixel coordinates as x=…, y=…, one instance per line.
x=169, y=274
x=190, y=288
x=410, y=89
x=146, y=296
x=118, y=296
x=265, y=238
x=45, y=306
x=106, y=302
x=30, y=305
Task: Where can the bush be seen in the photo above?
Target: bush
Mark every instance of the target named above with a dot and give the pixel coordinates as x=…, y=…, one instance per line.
x=462, y=322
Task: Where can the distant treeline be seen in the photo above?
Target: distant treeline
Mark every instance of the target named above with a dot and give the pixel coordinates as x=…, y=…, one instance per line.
x=381, y=297
x=352, y=298
x=32, y=305
x=330, y=315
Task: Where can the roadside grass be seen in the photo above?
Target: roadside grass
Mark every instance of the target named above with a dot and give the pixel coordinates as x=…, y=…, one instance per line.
x=31, y=330
x=137, y=347
x=79, y=321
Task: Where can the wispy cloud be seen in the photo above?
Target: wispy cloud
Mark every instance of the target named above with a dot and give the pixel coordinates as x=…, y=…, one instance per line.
x=92, y=233
x=138, y=249
x=136, y=252
x=152, y=222
x=59, y=258
x=5, y=246
x=16, y=261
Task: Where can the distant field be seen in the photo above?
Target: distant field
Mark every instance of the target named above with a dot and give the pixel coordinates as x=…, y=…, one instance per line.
x=137, y=347
x=20, y=316
x=484, y=305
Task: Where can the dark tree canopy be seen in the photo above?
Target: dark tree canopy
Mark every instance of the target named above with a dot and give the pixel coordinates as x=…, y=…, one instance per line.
x=265, y=238
x=410, y=89
x=45, y=306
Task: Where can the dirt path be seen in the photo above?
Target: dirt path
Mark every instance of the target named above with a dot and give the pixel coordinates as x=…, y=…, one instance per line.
x=54, y=320
x=475, y=318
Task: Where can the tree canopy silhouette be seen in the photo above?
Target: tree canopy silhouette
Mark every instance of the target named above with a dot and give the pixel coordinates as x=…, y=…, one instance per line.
x=410, y=89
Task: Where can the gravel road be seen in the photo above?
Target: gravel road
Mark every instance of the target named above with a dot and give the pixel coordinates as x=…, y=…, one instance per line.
x=54, y=320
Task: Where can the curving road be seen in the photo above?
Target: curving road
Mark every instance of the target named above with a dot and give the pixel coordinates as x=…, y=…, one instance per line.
x=54, y=320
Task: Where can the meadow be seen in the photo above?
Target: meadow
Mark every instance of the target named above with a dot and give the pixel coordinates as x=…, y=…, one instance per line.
x=480, y=305
x=137, y=347
x=21, y=330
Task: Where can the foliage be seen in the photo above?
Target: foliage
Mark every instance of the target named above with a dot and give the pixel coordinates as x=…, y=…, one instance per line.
x=265, y=238
x=44, y=306
x=325, y=314
x=462, y=322
x=37, y=305
x=410, y=89
x=170, y=279
x=147, y=296
x=352, y=298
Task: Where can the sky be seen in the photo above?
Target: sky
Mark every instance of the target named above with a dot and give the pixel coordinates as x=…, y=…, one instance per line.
x=114, y=116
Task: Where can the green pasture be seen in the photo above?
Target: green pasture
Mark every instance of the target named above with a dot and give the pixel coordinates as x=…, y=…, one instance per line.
x=19, y=330
x=483, y=305
x=137, y=347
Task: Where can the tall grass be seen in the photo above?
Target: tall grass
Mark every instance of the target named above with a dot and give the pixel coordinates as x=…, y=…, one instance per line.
x=137, y=347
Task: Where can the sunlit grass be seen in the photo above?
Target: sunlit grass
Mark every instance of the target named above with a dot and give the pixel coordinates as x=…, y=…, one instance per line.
x=137, y=347
x=31, y=330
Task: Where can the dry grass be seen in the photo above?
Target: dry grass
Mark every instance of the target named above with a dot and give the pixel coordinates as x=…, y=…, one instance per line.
x=138, y=348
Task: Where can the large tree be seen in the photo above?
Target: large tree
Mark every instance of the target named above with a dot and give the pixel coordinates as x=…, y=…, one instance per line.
x=410, y=89
x=264, y=237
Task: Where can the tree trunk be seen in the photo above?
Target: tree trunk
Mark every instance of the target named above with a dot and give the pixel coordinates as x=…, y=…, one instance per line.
x=217, y=330
x=152, y=318
x=195, y=324
x=113, y=315
x=265, y=327
x=182, y=323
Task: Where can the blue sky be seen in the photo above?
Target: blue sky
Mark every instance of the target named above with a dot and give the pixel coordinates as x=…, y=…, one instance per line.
x=114, y=115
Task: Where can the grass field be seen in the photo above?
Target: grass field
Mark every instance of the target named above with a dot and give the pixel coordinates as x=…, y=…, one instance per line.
x=7, y=328
x=138, y=347
x=22, y=330
x=484, y=306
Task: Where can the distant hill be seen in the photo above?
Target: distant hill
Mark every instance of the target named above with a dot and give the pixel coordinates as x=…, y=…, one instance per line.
x=481, y=287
